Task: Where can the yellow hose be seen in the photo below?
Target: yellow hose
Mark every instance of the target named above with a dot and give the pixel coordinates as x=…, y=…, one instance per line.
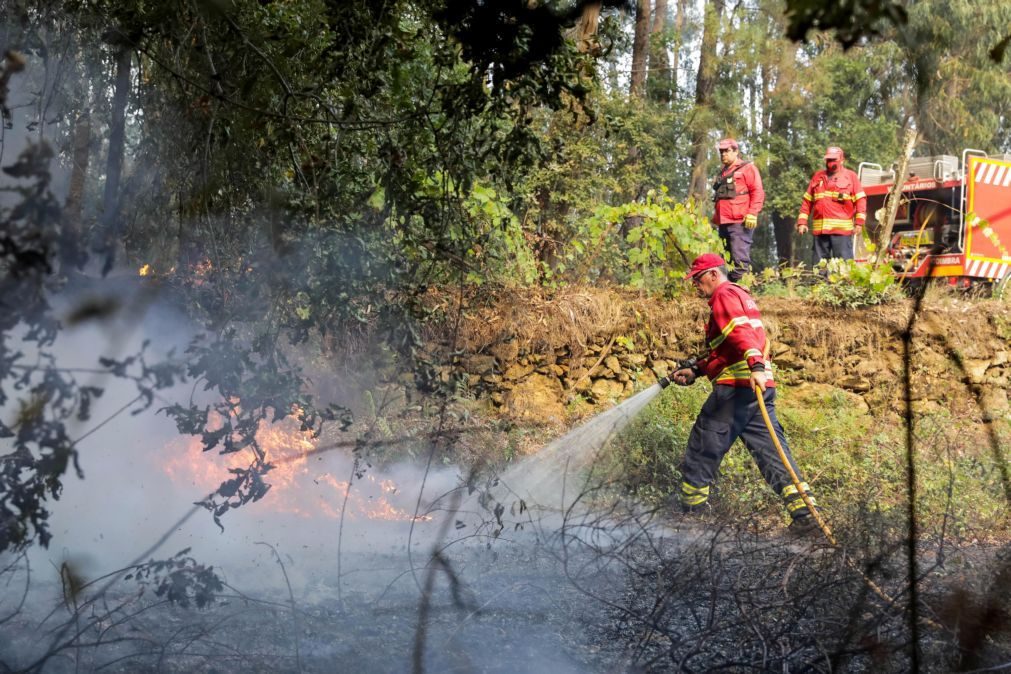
x=814, y=510
x=793, y=474
x=919, y=238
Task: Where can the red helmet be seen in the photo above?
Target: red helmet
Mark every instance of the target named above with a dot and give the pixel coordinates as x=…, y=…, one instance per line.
x=834, y=153
x=705, y=262
x=727, y=144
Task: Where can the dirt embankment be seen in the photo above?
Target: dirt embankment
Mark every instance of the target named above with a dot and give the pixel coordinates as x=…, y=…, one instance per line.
x=531, y=355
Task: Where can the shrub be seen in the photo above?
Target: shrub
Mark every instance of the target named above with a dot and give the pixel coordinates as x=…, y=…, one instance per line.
x=852, y=284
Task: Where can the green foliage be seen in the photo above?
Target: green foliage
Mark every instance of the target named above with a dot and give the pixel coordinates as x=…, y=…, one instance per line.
x=851, y=21
x=959, y=87
x=499, y=246
x=851, y=284
x=648, y=451
x=661, y=238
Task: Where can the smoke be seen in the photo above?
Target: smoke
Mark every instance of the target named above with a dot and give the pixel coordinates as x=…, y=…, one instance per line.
x=499, y=583
x=499, y=597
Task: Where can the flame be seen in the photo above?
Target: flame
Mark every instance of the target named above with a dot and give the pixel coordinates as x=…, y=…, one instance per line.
x=146, y=270
x=200, y=272
x=296, y=488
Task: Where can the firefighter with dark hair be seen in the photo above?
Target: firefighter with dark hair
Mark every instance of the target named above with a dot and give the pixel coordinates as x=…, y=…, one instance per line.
x=836, y=205
x=737, y=362
x=738, y=197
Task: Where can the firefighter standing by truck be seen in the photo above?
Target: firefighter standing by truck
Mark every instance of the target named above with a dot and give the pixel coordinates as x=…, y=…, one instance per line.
x=737, y=200
x=836, y=206
x=737, y=362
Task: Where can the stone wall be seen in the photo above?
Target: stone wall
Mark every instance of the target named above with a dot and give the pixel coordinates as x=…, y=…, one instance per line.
x=961, y=353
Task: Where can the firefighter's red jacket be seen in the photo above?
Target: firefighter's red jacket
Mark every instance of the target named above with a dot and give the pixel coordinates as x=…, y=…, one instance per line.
x=735, y=337
x=834, y=203
x=750, y=196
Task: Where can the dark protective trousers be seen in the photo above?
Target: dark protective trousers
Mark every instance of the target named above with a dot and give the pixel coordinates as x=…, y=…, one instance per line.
x=729, y=413
x=737, y=239
x=828, y=246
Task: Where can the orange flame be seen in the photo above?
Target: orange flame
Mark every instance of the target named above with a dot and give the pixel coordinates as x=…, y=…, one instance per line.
x=295, y=487
x=146, y=270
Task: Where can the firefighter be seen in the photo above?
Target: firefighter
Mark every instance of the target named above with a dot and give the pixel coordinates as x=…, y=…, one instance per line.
x=737, y=200
x=837, y=206
x=737, y=361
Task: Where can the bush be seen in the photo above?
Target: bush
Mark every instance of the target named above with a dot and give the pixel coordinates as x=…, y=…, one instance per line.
x=852, y=284
x=661, y=238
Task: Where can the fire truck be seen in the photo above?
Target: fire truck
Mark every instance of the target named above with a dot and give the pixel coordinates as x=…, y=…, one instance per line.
x=954, y=218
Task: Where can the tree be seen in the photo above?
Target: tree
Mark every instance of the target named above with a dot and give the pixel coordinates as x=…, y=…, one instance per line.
x=660, y=71
x=640, y=49
x=705, y=83
x=111, y=223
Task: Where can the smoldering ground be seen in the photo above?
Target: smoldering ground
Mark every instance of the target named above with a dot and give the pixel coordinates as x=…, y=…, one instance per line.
x=288, y=558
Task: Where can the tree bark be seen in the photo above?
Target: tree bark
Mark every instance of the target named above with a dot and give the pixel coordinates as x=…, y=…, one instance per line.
x=679, y=27
x=111, y=226
x=640, y=49
x=894, y=196
x=782, y=229
x=585, y=32
x=73, y=228
x=659, y=64
x=705, y=83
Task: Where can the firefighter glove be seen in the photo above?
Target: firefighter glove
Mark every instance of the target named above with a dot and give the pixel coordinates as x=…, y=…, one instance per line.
x=684, y=377
x=750, y=221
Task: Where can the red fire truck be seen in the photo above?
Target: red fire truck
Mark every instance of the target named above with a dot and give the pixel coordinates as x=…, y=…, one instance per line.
x=954, y=219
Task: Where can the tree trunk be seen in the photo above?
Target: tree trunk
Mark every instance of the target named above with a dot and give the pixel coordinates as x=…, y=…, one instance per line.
x=659, y=64
x=640, y=49
x=72, y=241
x=777, y=125
x=782, y=229
x=679, y=27
x=111, y=226
x=894, y=196
x=585, y=32
x=705, y=83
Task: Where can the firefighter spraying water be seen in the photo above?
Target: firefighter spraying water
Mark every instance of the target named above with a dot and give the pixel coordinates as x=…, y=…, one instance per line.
x=737, y=363
x=743, y=394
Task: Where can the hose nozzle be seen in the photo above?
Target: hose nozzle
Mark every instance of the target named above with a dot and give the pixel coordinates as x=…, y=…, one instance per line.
x=687, y=363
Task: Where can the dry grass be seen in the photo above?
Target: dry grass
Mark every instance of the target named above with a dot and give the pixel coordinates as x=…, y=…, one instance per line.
x=541, y=320
x=572, y=317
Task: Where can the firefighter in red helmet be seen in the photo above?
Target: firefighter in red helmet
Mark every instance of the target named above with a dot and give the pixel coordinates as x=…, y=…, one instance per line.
x=835, y=208
x=737, y=362
x=737, y=200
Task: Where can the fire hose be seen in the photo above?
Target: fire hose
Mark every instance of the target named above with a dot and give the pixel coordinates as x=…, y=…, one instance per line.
x=822, y=524
x=689, y=363
x=811, y=508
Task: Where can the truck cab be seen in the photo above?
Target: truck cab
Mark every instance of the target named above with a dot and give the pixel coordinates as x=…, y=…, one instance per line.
x=954, y=218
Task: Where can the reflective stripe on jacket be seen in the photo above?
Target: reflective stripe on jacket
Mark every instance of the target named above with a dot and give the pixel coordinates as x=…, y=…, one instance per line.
x=735, y=337
x=834, y=203
x=750, y=195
